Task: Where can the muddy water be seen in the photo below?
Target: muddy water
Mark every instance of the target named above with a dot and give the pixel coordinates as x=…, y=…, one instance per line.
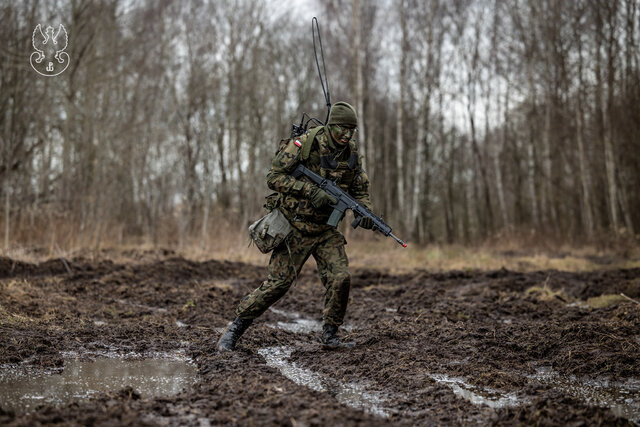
x=299, y=324
x=477, y=395
x=353, y=395
x=621, y=397
x=22, y=389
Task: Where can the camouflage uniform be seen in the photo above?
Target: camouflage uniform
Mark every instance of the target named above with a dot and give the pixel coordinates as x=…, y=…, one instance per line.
x=312, y=235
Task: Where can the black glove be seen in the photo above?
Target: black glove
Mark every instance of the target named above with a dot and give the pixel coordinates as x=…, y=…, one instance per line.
x=319, y=197
x=366, y=222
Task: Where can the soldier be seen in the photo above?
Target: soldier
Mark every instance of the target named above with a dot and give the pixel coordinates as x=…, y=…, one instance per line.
x=333, y=154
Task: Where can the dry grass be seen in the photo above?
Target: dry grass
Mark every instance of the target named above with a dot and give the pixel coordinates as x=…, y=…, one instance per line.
x=385, y=254
x=605, y=300
x=365, y=250
x=545, y=293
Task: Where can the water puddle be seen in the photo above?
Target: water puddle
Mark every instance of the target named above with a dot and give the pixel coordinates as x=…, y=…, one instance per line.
x=299, y=324
x=622, y=398
x=100, y=351
x=478, y=395
x=23, y=388
x=353, y=395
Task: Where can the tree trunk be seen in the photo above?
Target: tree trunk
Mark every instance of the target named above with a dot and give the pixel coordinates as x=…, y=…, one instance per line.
x=359, y=77
x=500, y=144
x=7, y=211
x=400, y=112
x=584, y=171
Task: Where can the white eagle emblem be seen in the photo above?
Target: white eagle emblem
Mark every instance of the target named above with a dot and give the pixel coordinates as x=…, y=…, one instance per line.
x=49, y=58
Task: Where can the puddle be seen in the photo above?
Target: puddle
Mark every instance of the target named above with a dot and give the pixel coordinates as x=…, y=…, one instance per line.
x=119, y=352
x=299, y=324
x=353, y=395
x=23, y=388
x=478, y=395
x=622, y=398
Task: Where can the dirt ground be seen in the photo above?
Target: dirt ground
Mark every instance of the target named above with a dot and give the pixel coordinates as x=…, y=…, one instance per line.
x=420, y=337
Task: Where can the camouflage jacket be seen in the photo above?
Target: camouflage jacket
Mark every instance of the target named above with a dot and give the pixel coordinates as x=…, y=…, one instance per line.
x=341, y=165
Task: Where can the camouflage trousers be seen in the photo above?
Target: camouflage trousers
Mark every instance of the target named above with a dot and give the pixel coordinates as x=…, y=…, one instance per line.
x=327, y=249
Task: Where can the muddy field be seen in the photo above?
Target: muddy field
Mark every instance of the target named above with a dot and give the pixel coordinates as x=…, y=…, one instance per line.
x=449, y=348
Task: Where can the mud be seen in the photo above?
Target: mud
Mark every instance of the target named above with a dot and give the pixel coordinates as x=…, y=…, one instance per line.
x=449, y=348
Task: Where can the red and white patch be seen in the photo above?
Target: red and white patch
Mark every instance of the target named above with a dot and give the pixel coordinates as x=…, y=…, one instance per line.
x=298, y=143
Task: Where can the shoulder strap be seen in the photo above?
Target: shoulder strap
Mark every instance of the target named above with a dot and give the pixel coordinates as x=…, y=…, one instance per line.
x=308, y=143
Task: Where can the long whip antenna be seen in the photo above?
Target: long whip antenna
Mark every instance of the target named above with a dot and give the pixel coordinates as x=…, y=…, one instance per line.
x=325, y=83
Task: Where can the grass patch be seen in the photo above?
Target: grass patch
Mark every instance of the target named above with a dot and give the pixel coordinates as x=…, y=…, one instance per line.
x=188, y=305
x=605, y=300
x=13, y=319
x=545, y=293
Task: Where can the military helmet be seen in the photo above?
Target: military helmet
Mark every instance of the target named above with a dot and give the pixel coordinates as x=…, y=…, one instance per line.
x=342, y=114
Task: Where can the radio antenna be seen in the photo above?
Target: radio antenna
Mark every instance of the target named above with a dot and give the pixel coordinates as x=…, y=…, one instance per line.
x=325, y=83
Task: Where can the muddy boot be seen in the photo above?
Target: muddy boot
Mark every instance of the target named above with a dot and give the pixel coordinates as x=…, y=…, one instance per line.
x=231, y=335
x=329, y=338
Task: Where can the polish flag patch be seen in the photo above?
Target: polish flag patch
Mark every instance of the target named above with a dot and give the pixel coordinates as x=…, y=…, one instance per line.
x=298, y=143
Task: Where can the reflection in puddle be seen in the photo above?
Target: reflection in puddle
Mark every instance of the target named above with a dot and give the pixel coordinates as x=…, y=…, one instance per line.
x=620, y=397
x=476, y=395
x=352, y=395
x=300, y=324
x=99, y=350
x=23, y=388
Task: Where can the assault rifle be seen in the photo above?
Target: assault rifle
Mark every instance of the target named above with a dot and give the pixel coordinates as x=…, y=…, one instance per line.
x=344, y=202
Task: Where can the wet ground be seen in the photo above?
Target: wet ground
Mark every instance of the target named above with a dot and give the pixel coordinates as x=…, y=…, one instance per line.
x=132, y=342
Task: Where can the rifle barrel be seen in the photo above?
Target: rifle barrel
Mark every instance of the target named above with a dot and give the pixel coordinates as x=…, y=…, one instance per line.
x=404, y=245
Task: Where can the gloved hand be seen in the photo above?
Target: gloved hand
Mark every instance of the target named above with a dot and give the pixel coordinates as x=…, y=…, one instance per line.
x=366, y=222
x=318, y=196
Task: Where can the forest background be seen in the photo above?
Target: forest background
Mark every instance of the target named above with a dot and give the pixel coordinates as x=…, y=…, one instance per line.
x=480, y=121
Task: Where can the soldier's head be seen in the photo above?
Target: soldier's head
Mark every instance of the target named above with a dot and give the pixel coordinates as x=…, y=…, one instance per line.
x=342, y=123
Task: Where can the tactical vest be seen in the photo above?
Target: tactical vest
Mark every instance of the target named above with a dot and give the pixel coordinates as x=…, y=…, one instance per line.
x=317, y=155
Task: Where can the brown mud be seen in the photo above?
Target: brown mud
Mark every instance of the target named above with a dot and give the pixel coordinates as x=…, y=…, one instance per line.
x=423, y=340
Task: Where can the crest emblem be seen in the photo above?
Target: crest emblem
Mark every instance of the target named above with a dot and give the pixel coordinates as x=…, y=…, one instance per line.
x=49, y=58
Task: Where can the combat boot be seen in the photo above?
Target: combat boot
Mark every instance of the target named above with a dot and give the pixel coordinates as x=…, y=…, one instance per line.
x=329, y=337
x=231, y=335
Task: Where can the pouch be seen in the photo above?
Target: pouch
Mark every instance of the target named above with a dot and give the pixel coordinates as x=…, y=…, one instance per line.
x=270, y=231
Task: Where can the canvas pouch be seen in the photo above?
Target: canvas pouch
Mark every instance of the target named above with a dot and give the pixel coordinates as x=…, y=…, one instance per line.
x=270, y=231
